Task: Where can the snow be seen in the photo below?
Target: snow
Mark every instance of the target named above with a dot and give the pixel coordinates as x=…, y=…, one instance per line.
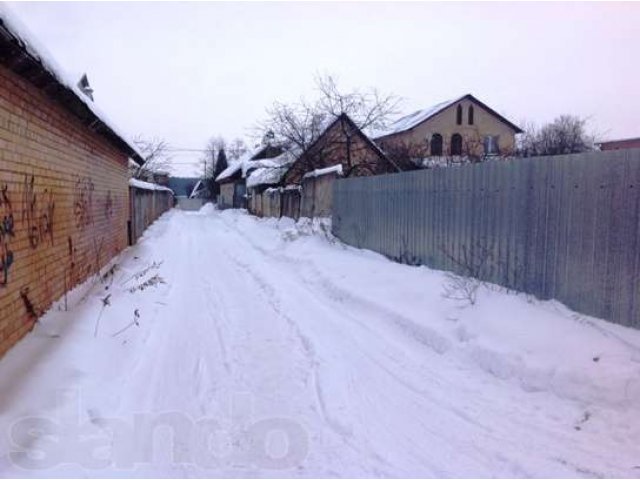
x=409, y=121
x=239, y=164
x=134, y=182
x=337, y=169
x=40, y=52
x=271, y=171
x=199, y=186
x=303, y=357
x=231, y=169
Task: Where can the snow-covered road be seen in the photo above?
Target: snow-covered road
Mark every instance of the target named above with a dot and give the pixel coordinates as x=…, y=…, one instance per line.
x=264, y=348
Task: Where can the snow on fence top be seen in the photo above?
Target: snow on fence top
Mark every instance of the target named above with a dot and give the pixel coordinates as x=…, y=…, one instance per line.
x=32, y=47
x=337, y=169
x=134, y=182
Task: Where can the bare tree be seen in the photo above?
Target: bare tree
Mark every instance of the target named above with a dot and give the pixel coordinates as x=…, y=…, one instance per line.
x=155, y=152
x=300, y=124
x=236, y=148
x=369, y=109
x=566, y=134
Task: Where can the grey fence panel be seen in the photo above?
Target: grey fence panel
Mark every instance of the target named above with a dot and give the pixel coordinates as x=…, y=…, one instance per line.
x=144, y=208
x=564, y=227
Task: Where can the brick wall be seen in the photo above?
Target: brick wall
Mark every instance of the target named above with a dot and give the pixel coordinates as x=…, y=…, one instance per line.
x=357, y=156
x=63, y=204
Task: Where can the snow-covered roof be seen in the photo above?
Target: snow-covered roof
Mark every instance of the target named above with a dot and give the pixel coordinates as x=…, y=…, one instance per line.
x=270, y=171
x=237, y=165
x=134, y=182
x=413, y=119
x=337, y=169
x=34, y=49
x=416, y=118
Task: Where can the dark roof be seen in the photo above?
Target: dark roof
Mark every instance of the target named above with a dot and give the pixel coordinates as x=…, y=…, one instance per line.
x=344, y=117
x=409, y=122
x=19, y=55
x=619, y=140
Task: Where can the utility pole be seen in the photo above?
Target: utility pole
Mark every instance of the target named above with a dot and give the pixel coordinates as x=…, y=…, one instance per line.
x=204, y=177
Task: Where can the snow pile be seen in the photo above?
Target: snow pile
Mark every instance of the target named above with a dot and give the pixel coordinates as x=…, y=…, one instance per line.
x=207, y=209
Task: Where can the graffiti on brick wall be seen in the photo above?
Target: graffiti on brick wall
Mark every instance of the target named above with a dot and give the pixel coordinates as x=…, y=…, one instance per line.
x=37, y=213
x=108, y=206
x=28, y=304
x=6, y=234
x=83, y=202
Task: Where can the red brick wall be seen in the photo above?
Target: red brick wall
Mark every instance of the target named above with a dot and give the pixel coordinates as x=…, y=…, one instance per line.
x=63, y=204
x=620, y=144
x=331, y=149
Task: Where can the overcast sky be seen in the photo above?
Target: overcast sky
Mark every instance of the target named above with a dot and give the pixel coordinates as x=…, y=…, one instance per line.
x=187, y=71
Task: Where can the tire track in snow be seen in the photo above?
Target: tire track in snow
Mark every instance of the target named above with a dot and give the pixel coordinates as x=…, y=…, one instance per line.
x=273, y=301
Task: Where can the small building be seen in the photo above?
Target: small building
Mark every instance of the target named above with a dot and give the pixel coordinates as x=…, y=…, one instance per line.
x=621, y=144
x=232, y=180
x=341, y=143
x=300, y=183
x=266, y=176
x=462, y=127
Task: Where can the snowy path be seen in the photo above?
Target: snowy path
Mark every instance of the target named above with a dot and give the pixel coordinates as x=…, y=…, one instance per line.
x=271, y=350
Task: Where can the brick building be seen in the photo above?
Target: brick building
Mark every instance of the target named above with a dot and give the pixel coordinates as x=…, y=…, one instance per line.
x=64, y=194
x=341, y=143
x=620, y=144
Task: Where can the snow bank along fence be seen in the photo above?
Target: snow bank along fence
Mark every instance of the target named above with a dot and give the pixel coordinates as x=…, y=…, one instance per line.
x=563, y=227
x=147, y=202
x=313, y=198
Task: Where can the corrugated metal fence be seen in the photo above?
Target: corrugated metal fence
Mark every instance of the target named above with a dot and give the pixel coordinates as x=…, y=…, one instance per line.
x=146, y=206
x=563, y=227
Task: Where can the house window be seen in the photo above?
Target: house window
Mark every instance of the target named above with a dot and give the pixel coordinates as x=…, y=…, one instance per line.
x=470, y=119
x=459, y=115
x=436, y=144
x=491, y=145
x=456, y=144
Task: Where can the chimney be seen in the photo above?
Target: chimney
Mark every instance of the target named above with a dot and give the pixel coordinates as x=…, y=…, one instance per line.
x=83, y=85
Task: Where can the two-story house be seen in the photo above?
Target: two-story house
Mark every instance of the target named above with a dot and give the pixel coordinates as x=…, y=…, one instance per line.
x=463, y=127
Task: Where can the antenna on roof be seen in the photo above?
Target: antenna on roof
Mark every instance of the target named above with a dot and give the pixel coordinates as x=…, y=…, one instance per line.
x=83, y=85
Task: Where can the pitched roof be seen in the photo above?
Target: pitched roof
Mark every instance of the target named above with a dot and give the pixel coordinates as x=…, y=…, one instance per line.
x=22, y=53
x=270, y=171
x=368, y=141
x=416, y=118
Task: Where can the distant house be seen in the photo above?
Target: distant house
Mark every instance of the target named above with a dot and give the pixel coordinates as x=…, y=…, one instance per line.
x=621, y=144
x=299, y=182
x=341, y=143
x=232, y=180
x=455, y=128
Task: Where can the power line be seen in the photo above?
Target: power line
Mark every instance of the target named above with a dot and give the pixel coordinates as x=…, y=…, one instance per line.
x=199, y=150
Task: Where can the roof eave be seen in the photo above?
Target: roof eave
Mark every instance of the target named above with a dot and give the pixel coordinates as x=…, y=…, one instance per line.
x=20, y=61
